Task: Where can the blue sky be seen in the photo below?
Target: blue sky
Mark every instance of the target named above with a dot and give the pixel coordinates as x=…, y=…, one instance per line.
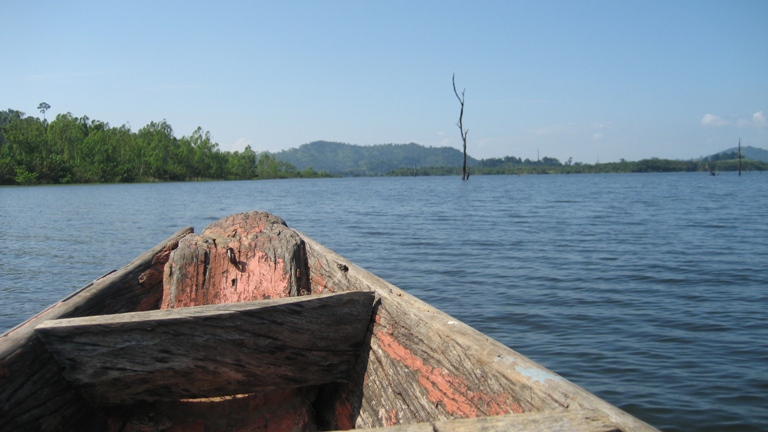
x=591, y=80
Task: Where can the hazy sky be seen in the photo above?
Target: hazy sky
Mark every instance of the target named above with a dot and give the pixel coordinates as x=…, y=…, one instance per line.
x=592, y=80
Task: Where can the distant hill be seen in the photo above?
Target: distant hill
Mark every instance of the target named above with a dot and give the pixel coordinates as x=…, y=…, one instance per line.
x=747, y=152
x=356, y=160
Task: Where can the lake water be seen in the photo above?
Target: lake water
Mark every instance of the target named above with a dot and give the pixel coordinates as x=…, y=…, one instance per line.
x=650, y=290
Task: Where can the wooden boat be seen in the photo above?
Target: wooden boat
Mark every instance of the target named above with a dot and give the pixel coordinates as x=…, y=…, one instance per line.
x=284, y=335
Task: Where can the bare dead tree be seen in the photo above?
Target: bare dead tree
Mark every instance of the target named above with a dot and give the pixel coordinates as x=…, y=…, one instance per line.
x=460, y=124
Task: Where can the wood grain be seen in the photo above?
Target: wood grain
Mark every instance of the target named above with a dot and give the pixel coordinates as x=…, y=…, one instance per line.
x=215, y=350
x=243, y=257
x=426, y=366
x=33, y=393
x=551, y=421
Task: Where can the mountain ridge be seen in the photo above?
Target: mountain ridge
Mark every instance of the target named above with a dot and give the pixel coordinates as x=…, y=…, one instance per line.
x=747, y=152
x=379, y=159
x=345, y=159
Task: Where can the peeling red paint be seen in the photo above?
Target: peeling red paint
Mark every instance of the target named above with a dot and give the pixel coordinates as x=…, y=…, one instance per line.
x=258, y=277
x=443, y=387
x=318, y=283
x=391, y=418
x=200, y=271
x=243, y=224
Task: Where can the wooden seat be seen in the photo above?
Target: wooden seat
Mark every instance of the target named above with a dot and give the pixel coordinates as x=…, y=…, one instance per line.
x=209, y=351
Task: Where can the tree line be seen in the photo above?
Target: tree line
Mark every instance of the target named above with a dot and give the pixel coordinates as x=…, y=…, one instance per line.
x=547, y=165
x=73, y=149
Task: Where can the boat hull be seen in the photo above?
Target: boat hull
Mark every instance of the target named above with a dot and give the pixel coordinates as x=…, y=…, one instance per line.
x=417, y=366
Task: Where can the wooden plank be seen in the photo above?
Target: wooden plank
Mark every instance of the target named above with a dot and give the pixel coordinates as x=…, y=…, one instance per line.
x=33, y=393
x=418, y=427
x=552, y=421
x=426, y=366
x=549, y=421
x=215, y=350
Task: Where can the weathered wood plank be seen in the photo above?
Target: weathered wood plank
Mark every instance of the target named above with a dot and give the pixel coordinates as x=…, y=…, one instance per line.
x=426, y=366
x=418, y=427
x=215, y=350
x=33, y=393
x=550, y=421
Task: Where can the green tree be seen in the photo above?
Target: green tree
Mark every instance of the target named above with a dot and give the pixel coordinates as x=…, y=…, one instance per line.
x=65, y=136
x=155, y=144
x=43, y=107
x=100, y=155
x=242, y=165
x=268, y=167
x=202, y=156
x=26, y=139
x=7, y=161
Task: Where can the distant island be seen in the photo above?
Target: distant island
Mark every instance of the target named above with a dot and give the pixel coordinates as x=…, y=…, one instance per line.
x=73, y=149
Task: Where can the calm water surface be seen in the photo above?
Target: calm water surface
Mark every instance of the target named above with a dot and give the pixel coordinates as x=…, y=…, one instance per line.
x=649, y=290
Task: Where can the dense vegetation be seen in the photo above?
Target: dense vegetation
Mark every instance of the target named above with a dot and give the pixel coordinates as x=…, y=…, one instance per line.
x=356, y=160
x=73, y=149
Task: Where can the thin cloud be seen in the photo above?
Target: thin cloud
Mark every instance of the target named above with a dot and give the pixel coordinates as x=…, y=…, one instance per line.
x=758, y=119
x=713, y=120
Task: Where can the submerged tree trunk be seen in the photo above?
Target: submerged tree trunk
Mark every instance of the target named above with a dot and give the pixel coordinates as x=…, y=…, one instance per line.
x=460, y=124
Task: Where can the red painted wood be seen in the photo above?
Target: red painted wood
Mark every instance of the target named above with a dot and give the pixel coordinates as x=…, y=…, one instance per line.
x=244, y=257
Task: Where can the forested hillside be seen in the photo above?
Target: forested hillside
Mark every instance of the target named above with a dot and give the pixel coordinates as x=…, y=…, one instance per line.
x=73, y=149
x=357, y=160
x=747, y=152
